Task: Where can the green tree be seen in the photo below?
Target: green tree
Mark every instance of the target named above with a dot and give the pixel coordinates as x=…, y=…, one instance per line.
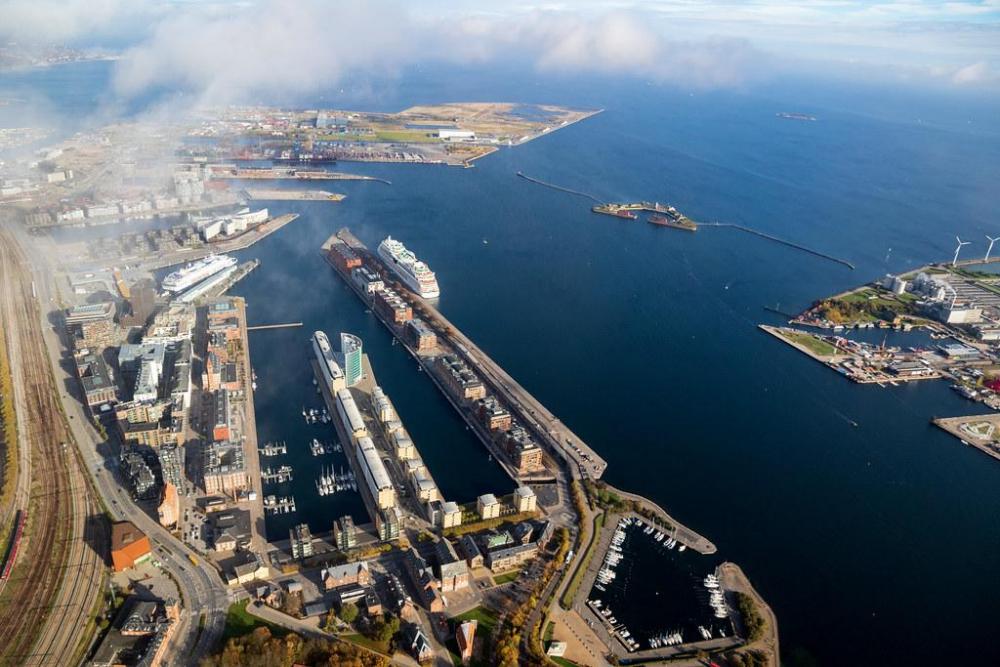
x=383, y=629
x=348, y=612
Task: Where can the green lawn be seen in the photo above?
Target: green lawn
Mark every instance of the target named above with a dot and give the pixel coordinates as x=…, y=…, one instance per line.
x=570, y=592
x=487, y=622
x=563, y=661
x=486, y=618
x=406, y=136
x=860, y=296
x=240, y=622
x=361, y=640
x=506, y=577
x=811, y=343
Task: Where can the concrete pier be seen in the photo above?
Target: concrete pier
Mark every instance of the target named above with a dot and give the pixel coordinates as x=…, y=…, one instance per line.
x=256, y=507
x=556, y=440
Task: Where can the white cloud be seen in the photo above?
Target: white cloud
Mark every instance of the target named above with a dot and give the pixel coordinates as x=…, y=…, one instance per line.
x=225, y=50
x=65, y=21
x=284, y=46
x=975, y=74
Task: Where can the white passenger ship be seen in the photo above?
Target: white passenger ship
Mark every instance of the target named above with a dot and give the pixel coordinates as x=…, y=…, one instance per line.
x=414, y=273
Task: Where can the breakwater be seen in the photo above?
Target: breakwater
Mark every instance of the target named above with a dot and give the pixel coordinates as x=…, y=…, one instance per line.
x=771, y=237
x=560, y=188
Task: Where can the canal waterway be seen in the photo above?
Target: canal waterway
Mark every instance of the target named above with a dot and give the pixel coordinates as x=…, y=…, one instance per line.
x=874, y=543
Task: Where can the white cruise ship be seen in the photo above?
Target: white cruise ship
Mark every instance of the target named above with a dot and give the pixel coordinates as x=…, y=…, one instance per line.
x=195, y=272
x=333, y=376
x=415, y=274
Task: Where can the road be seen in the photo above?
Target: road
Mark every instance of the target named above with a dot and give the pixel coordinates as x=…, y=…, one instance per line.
x=202, y=591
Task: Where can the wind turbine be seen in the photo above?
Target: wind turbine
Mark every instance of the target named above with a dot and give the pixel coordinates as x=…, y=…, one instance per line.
x=959, y=249
x=990, y=249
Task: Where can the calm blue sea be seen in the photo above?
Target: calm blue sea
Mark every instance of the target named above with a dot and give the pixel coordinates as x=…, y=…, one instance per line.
x=876, y=544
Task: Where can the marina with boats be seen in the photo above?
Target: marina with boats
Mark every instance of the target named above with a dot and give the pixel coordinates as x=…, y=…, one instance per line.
x=331, y=481
x=316, y=415
x=317, y=448
x=274, y=449
x=280, y=476
x=279, y=504
x=652, y=594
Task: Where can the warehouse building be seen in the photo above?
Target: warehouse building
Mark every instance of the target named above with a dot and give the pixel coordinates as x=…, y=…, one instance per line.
x=350, y=416
x=375, y=476
x=421, y=336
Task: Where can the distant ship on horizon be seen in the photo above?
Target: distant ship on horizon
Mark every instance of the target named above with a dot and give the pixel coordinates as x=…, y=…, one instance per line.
x=787, y=115
x=415, y=274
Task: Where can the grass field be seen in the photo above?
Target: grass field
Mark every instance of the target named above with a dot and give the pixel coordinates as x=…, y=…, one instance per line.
x=486, y=618
x=240, y=622
x=361, y=640
x=486, y=624
x=567, y=598
x=563, y=661
x=406, y=136
x=811, y=343
x=506, y=577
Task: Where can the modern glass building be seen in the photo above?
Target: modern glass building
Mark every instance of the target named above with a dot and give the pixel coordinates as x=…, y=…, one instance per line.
x=350, y=349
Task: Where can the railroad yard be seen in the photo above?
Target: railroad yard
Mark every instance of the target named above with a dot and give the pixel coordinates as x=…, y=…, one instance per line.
x=58, y=576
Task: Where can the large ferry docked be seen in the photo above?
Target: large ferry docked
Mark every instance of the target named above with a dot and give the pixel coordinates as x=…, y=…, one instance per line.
x=195, y=272
x=417, y=275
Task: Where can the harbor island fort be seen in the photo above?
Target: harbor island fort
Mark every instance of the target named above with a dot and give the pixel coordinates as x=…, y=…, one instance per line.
x=137, y=264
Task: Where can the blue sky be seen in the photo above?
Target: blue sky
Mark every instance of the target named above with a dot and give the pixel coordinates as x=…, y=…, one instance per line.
x=690, y=42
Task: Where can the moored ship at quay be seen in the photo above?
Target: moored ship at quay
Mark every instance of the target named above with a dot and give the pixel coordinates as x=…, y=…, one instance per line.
x=195, y=272
x=414, y=273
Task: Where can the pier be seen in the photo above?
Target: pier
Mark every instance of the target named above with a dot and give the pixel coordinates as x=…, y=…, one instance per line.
x=350, y=450
x=790, y=244
x=979, y=431
x=282, y=505
x=234, y=172
x=274, y=449
x=555, y=439
x=560, y=188
x=261, y=194
x=271, y=476
x=232, y=244
x=286, y=325
x=227, y=281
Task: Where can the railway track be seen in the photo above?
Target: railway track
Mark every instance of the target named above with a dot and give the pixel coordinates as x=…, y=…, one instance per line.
x=45, y=604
